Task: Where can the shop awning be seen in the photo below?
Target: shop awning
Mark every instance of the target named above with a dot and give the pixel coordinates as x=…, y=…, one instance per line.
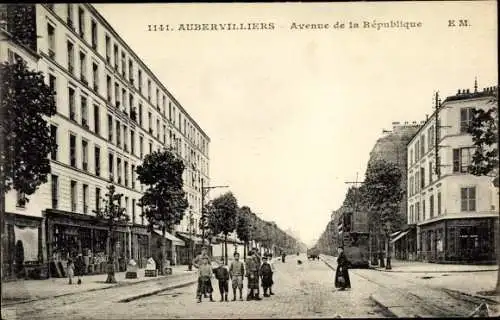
x=193, y=238
x=171, y=237
x=402, y=234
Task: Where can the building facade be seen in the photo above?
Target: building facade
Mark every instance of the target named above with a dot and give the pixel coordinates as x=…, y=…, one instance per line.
x=112, y=110
x=455, y=213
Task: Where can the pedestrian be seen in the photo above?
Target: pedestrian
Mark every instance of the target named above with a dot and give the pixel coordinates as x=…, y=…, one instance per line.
x=205, y=275
x=283, y=255
x=198, y=259
x=266, y=276
x=273, y=269
x=252, y=273
x=222, y=275
x=236, y=272
x=342, y=280
x=70, y=270
x=79, y=267
x=258, y=261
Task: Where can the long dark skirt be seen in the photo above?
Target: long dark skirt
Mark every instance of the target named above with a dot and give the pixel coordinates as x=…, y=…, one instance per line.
x=253, y=283
x=204, y=286
x=267, y=280
x=342, y=271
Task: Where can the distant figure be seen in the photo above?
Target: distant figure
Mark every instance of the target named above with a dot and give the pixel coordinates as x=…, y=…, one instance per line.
x=273, y=269
x=236, y=272
x=70, y=270
x=342, y=280
x=299, y=262
x=283, y=255
x=79, y=267
x=222, y=275
x=267, y=276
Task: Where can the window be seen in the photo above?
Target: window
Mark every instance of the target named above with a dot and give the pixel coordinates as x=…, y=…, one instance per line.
x=141, y=147
x=431, y=206
x=132, y=142
x=83, y=67
x=125, y=138
x=439, y=203
x=422, y=178
x=164, y=134
x=468, y=199
x=131, y=105
x=97, y=120
x=94, y=34
x=110, y=128
x=430, y=135
x=462, y=159
x=150, y=147
x=149, y=90
x=140, y=114
x=55, y=190
x=71, y=57
x=108, y=49
x=85, y=115
x=132, y=171
x=97, y=199
x=110, y=166
x=124, y=100
x=126, y=205
x=69, y=18
x=52, y=41
x=52, y=84
x=117, y=95
x=115, y=56
x=140, y=80
x=108, y=88
x=97, y=161
x=118, y=134
x=95, y=76
x=85, y=158
x=53, y=135
x=81, y=22
x=130, y=71
x=150, y=122
x=158, y=99
x=73, y=195
x=417, y=182
x=417, y=151
x=465, y=119
x=124, y=65
x=72, y=150
x=119, y=169
x=125, y=165
x=170, y=111
x=412, y=214
x=422, y=145
x=411, y=186
x=85, y=198
x=158, y=129
x=410, y=160
x=133, y=211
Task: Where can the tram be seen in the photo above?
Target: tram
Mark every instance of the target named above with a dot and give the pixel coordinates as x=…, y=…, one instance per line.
x=354, y=237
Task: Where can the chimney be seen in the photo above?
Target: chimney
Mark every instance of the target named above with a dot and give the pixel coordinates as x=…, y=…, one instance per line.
x=426, y=117
x=414, y=122
x=468, y=91
x=458, y=93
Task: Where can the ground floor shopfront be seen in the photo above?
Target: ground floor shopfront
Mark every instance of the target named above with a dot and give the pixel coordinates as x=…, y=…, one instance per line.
x=405, y=244
x=465, y=240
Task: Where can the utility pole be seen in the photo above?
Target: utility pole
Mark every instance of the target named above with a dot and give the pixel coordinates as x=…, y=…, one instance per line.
x=204, y=192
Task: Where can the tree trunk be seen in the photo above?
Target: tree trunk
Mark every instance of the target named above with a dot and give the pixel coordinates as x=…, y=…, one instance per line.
x=245, y=250
x=111, y=258
x=388, y=257
x=163, y=257
x=225, y=248
x=381, y=251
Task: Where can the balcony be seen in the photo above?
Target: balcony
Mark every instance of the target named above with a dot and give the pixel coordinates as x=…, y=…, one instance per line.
x=71, y=69
x=54, y=203
x=70, y=24
x=72, y=162
x=85, y=208
x=94, y=45
x=98, y=171
x=111, y=178
x=119, y=180
x=133, y=115
x=150, y=131
x=96, y=87
x=85, y=124
x=125, y=147
x=118, y=104
x=52, y=54
x=85, y=166
x=84, y=80
x=72, y=116
x=73, y=206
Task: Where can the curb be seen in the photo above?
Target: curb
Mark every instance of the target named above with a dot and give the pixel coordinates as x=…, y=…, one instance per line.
x=473, y=295
x=115, y=285
x=443, y=271
x=385, y=310
x=152, y=293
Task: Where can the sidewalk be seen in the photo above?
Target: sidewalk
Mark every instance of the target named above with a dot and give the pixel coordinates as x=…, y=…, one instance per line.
x=30, y=290
x=425, y=267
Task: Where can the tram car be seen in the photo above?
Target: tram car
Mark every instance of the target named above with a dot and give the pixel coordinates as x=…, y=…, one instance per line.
x=353, y=235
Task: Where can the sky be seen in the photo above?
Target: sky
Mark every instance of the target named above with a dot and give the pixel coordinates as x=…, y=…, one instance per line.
x=292, y=114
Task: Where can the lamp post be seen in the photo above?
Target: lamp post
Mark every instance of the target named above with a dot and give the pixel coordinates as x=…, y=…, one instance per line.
x=190, y=249
x=388, y=232
x=204, y=191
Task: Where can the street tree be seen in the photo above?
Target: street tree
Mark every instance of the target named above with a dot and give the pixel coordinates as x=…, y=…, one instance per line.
x=164, y=201
x=25, y=140
x=383, y=194
x=115, y=216
x=223, y=217
x=485, y=162
x=243, y=227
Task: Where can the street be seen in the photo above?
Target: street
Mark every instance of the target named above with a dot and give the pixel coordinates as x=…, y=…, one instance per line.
x=301, y=291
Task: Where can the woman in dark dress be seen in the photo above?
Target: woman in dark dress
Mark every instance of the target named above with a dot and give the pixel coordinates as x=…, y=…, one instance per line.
x=342, y=280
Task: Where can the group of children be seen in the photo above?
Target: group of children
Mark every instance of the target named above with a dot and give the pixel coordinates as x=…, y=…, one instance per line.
x=253, y=269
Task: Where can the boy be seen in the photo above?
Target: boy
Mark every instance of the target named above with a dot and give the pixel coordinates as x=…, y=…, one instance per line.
x=204, y=282
x=266, y=275
x=252, y=272
x=222, y=275
x=236, y=272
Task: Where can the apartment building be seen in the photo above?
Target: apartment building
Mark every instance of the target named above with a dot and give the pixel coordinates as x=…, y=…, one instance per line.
x=112, y=110
x=455, y=212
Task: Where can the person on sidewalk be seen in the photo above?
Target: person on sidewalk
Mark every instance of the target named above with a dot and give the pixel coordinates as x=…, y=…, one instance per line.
x=204, y=280
x=79, y=267
x=273, y=269
x=342, y=280
x=198, y=260
x=252, y=273
x=266, y=275
x=222, y=275
x=258, y=261
x=236, y=272
x=70, y=270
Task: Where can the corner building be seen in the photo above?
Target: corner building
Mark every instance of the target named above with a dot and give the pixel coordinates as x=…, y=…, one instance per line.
x=111, y=111
x=455, y=212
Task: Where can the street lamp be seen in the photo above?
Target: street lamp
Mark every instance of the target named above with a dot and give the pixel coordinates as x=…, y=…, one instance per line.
x=204, y=191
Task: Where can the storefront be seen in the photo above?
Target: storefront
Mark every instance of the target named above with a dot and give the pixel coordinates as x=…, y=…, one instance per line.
x=405, y=244
x=171, y=245
x=459, y=241
x=192, y=247
x=23, y=244
x=69, y=234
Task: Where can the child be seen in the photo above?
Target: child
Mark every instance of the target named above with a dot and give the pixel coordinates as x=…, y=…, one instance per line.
x=204, y=279
x=266, y=275
x=222, y=275
x=236, y=272
x=70, y=270
x=271, y=263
